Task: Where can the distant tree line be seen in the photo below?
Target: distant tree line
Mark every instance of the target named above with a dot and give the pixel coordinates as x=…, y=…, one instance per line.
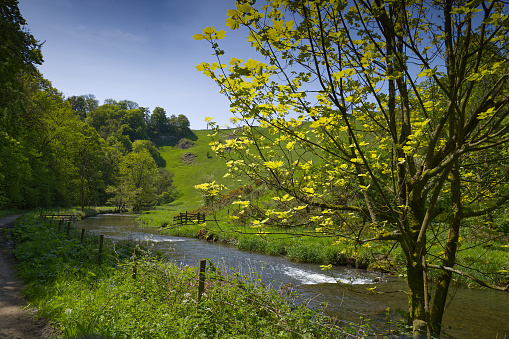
x=57, y=151
x=123, y=122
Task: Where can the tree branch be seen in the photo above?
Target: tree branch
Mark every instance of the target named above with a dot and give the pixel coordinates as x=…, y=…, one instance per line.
x=468, y=275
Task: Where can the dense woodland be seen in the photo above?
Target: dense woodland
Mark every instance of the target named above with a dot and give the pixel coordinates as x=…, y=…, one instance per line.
x=58, y=151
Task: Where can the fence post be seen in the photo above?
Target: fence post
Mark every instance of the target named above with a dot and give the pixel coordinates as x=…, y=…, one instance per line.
x=135, y=267
x=201, y=278
x=101, y=239
x=82, y=235
x=68, y=228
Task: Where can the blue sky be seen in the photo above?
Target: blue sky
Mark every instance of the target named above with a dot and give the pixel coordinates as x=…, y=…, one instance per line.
x=136, y=50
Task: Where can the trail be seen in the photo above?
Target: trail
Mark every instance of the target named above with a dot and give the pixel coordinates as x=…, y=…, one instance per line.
x=15, y=322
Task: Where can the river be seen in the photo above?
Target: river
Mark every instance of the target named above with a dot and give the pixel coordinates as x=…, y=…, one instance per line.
x=471, y=314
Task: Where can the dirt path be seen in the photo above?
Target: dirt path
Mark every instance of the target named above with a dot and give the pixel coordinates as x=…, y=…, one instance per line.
x=15, y=323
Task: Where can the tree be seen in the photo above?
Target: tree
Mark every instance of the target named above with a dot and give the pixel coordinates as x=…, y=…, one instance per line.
x=138, y=171
x=183, y=124
x=159, y=122
x=83, y=104
x=20, y=53
x=112, y=119
x=164, y=188
x=388, y=99
x=136, y=122
x=173, y=124
x=87, y=159
x=128, y=104
x=147, y=145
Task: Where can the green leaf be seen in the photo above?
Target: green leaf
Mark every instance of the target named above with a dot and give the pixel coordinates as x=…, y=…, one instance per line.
x=209, y=30
x=220, y=34
x=259, y=69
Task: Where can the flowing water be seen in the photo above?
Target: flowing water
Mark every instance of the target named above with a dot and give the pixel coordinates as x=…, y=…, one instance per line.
x=471, y=314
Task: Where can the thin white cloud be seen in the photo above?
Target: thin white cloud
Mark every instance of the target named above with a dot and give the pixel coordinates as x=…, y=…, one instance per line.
x=119, y=35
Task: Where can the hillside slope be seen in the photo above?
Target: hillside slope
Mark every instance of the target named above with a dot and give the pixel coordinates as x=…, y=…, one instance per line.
x=192, y=162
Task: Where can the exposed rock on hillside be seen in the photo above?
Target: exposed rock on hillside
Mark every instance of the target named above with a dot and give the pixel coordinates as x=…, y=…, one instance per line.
x=185, y=144
x=188, y=158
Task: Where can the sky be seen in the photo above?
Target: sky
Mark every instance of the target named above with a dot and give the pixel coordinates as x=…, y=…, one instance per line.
x=136, y=50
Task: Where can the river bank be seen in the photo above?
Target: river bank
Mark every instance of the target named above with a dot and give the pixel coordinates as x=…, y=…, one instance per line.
x=298, y=244
x=484, y=253
x=347, y=300
x=135, y=295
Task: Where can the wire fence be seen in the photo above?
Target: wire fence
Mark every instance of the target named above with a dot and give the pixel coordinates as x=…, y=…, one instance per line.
x=279, y=318
x=265, y=317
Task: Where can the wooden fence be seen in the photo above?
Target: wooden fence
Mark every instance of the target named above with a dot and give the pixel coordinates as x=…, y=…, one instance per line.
x=187, y=217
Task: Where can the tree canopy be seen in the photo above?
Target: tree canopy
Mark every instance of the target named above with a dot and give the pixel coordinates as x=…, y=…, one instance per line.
x=374, y=118
x=52, y=149
x=19, y=53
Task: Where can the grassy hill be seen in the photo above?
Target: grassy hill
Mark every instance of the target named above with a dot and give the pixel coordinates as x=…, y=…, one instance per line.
x=192, y=162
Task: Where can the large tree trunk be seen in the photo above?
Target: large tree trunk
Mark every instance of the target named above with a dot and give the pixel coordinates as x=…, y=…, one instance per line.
x=449, y=258
x=416, y=248
x=415, y=290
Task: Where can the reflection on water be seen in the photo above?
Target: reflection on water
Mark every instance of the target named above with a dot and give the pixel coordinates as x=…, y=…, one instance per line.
x=472, y=313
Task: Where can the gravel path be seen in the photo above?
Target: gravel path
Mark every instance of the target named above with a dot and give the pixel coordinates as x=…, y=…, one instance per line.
x=15, y=322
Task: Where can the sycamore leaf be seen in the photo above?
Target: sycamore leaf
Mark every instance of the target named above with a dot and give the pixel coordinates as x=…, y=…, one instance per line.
x=209, y=30
x=232, y=23
x=425, y=73
x=273, y=164
x=486, y=114
x=198, y=37
x=285, y=197
x=474, y=3
x=259, y=69
x=251, y=63
x=220, y=34
x=201, y=67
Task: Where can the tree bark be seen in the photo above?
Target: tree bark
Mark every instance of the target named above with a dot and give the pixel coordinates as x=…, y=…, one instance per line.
x=451, y=247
